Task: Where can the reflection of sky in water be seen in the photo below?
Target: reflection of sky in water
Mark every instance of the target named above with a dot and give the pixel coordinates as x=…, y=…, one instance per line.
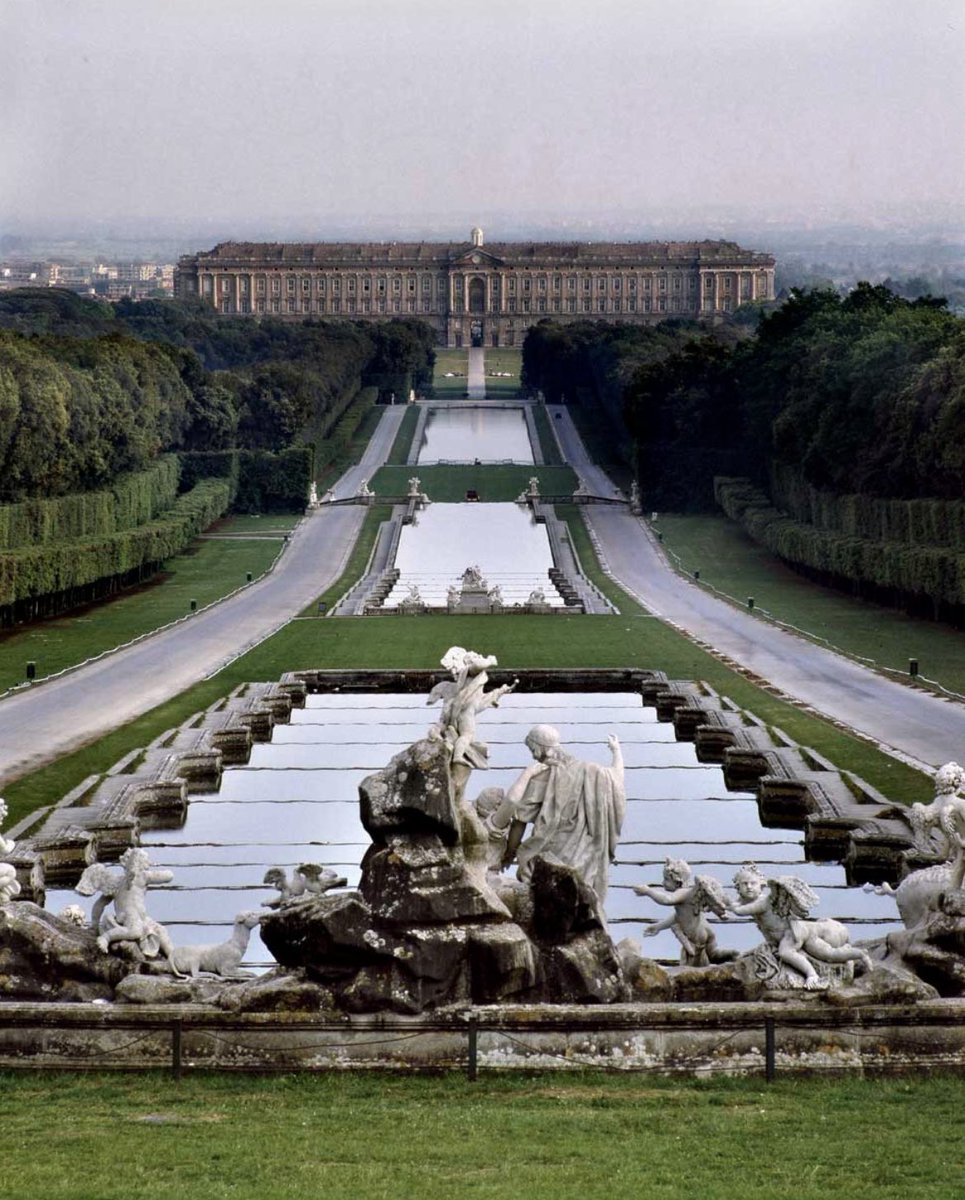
x=297, y=801
x=503, y=540
x=467, y=433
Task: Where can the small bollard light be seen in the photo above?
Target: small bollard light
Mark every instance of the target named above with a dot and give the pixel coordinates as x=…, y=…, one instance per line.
x=696, y=574
x=194, y=605
x=322, y=607
x=750, y=602
x=249, y=577
x=31, y=670
x=913, y=667
x=659, y=536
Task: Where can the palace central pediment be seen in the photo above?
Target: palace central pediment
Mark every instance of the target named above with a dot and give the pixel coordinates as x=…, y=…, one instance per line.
x=475, y=256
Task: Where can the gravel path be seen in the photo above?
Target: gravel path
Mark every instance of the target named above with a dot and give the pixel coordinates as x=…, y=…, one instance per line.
x=904, y=720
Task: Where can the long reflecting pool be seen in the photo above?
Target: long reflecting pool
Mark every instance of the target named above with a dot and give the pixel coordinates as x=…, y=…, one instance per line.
x=468, y=433
x=502, y=539
x=297, y=801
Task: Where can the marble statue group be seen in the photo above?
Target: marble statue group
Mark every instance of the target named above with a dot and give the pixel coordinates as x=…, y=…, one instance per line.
x=493, y=894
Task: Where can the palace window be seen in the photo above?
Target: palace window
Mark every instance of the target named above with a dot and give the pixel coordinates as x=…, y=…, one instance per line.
x=320, y=306
x=541, y=304
x=275, y=305
x=662, y=304
x=410, y=306
x=291, y=283
x=321, y=286
x=336, y=286
x=586, y=284
x=351, y=285
x=676, y=283
x=426, y=283
x=382, y=289
x=512, y=284
x=631, y=305
x=306, y=306
x=525, y=306
x=396, y=305
x=586, y=305
x=571, y=304
x=557, y=283
x=396, y=285
x=647, y=283
x=366, y=285
x=426, y=305
x=306, y=283
x=617, y=284
x=260, y=286
x=366, y=306
x=631, y=285
x=336, y=306
x=411, y=283
x=708, y=283
x=662, y=283
x=602, y=304
x=350, y=305
x=243, y=284
x=291, y=306
x=381, y=306
x=727, y=283
x=226, y=306
x=261, y=306
x=527, y=284
x=616, y=305
x=441, y=287
x=541, y=283
x=571, y=284
x=512, y=303
x=275, y=285
x=556, y=304
x=601, y=283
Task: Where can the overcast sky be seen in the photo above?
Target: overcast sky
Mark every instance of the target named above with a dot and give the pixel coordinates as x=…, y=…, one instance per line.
x=239, y=111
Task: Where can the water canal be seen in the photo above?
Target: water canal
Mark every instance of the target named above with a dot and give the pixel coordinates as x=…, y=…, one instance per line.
x=472, y=433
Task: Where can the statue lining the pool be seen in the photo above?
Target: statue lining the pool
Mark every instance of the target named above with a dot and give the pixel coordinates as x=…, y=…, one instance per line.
x=463, y=698
x=690, y=896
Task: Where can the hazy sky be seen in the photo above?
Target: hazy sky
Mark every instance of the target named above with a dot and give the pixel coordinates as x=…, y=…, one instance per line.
x=221, y=111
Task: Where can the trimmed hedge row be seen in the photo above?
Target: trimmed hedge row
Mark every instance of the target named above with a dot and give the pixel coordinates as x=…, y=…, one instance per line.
x=260, y=480
x=928, y=522
x=133, y=500
x=68, y=565
x=932, y=573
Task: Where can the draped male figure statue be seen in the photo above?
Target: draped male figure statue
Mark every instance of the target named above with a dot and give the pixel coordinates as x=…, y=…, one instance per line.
x=576, y=810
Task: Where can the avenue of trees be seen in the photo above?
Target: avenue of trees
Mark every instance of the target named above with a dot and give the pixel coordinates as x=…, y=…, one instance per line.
x=835, y=432
x=99, y=402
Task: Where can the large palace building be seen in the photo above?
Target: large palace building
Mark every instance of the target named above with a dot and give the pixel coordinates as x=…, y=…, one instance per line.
x=476, y=294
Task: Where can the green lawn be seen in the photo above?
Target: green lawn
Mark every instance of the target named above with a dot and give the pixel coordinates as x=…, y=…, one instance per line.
x=571, y=1136
x=456, y=361
x=547, y=439
x=731, y=562
x=449, y=484
x=399, y=453
x=209, y=569
x=503, y=358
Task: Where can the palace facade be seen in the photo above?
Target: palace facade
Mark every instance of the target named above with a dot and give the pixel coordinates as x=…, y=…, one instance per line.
x=477, y=294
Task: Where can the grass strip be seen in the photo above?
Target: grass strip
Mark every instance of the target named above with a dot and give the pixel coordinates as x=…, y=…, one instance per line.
x=557, y=1136
x=547, y=439
x=731, y=562
x=401, y=447
x=206, y=571
x=449, y=484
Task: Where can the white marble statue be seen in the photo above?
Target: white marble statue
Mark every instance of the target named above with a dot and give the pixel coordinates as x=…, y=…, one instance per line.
x=533, y=486
x=496, y=596
x=463, y=698
x=453, y=595
x=576, y=810
x=329, y=496
x=473, y=581
x=364, y=489
x=926, y=818
x=581, y=488
x=313, y=494
x=780, y=908
x=536, y=597
x=7, y=845
x=127, y=890
x=9, y=884
x=690, y=897
x=635, y=497
x=415, y=488
x=220, y=958
x=412, y=598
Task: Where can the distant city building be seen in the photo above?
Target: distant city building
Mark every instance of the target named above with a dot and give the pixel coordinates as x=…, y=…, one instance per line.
x=477, y=294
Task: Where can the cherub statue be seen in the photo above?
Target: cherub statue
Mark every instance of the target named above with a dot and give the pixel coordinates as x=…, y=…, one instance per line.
x=496, y=596
x=780, y=908
x=923, y=818
x=453, y=596
x=464, y=697
x=128, y=889
x=690, y=897
x=9, y=884
x=7, y=845
x=537, y=597
x=364, y=489
x=533, y=486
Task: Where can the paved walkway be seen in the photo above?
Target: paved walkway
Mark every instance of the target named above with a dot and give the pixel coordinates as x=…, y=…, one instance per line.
x=476, y=383
x=40, y=724
x=902, y=719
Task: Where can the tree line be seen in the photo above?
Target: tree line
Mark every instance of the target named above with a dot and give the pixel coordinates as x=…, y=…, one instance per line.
x=89, y=391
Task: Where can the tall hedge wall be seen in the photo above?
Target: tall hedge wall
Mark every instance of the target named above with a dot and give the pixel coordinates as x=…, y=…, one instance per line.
x=133, y=500
x=924, y=522
x=57, y=569
x=920, y=577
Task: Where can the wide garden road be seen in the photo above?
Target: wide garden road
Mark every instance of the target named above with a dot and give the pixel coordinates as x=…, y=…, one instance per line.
x=914, y=723
x=50, y=719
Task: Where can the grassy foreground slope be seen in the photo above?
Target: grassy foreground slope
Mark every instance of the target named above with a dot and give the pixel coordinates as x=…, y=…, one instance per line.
x=581, y=1136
